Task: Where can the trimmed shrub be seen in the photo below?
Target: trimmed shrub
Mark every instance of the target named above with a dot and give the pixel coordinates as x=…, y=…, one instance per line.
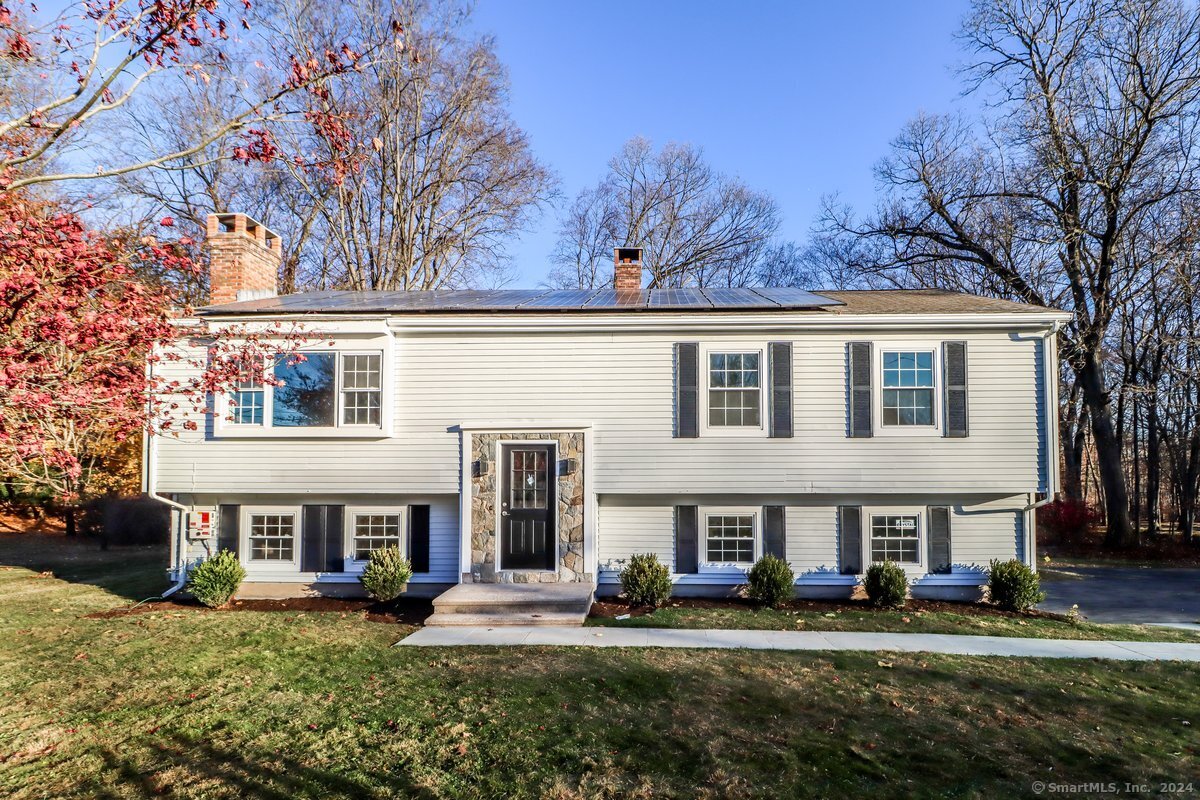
x=771, y=581
x=215, y=581
x=1014, y=586
x=386, y=574
x=886, y=584
x=1067, y=520
x=645, y=581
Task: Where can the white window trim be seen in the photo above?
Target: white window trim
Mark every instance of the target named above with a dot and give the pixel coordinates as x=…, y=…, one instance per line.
x=223, y=427
x=353, y=564
x=919, y=568
x=763, y=379
x=877, y=399
x=726, y=566
x=258, y=568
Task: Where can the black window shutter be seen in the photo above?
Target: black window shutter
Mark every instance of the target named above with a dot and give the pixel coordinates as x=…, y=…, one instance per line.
x=774, y=532
x=687, y=390
x=954, y=356
x=418, y=537
x=850, y=542
x=939, y=539
x=780, y=356
x=321, y=539
x=860, y=390
x=687, y=539
x=227, y=528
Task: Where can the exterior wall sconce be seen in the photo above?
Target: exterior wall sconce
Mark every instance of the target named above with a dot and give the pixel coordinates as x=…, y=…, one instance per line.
x=568, y=466
x=479, y=468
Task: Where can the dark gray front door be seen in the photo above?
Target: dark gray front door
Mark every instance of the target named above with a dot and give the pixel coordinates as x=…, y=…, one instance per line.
x=527, y=507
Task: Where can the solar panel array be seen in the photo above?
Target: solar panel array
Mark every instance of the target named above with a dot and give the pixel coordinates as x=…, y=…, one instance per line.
x=533, y=300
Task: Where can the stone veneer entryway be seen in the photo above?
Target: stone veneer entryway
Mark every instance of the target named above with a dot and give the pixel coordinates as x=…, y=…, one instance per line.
x=485, y=479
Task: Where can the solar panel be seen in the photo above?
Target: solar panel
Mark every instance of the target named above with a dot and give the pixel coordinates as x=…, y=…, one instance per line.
x=790, y=297
x=530, y=300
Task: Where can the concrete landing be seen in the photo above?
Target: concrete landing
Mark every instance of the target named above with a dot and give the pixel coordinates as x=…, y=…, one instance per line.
x=506, y=604
x=805, y=640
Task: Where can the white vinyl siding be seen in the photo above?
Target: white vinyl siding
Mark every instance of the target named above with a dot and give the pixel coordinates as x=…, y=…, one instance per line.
x=623, y=384
x=982, y=529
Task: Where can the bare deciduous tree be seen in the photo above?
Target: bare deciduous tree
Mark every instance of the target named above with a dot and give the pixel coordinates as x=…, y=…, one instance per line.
x=442, y=176
x=697, y=226
x=1097, y=103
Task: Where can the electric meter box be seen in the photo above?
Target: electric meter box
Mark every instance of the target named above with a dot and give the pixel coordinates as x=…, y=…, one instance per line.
x=202, y=522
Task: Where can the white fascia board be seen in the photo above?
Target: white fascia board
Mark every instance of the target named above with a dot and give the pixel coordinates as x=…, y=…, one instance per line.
x=311, y=325
x=702, y=322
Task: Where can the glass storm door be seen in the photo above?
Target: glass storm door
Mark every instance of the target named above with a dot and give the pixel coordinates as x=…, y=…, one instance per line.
x=527, y=508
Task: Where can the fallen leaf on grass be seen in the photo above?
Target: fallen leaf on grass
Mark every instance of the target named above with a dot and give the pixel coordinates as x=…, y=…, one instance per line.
x=886, y=664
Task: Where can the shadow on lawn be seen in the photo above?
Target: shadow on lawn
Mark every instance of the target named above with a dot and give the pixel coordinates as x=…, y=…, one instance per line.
x=133, y=573
x=242, y=771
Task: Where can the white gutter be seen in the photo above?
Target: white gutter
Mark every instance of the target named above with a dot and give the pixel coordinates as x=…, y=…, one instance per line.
x=178, y=510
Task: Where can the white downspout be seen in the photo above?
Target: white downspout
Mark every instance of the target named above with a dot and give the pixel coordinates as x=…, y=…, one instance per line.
x=178, y=510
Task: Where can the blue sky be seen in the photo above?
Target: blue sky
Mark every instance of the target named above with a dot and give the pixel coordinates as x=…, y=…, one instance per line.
x=799, y=99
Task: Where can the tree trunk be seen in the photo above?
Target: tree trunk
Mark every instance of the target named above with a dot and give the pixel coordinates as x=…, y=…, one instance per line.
x=1153, y=466
x=69, y=518
x=1120, y=532
x=1072, y=434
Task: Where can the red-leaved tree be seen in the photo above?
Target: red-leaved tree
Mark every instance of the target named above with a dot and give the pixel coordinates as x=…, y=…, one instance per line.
x=80, y=335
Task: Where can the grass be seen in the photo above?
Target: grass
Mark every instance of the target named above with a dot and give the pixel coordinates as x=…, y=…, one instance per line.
x=766, y=619
x=282, y=705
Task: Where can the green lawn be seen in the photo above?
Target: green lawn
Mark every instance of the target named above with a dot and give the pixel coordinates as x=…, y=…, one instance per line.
x=282, y=705
x=748, y=618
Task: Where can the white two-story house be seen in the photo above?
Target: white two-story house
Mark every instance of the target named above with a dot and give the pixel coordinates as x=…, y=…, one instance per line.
x=534, y=435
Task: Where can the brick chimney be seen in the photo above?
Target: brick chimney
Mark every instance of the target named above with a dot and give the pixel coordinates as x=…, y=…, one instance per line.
x=627, y=268
x=244, y=258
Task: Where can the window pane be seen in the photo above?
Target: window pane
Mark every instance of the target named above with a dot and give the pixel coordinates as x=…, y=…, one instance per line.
x=730, y=539
x=894, y=537
x=374, y=532
x=272, y=537
x=734, y=390
x=361, y=395
x=908, y=388
x=246, y=406
x=307, y=397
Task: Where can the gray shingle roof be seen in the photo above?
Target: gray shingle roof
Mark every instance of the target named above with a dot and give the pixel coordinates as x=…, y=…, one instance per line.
x=893, y=301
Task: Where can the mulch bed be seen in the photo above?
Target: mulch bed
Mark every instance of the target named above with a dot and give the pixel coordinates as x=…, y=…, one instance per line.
x=405, y=611
x=614, y=607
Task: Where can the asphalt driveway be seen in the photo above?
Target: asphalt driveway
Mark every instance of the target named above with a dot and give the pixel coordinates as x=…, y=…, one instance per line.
x=1125, y=594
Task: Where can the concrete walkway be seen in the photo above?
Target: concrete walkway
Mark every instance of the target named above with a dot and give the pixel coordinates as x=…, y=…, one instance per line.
x=802, y=640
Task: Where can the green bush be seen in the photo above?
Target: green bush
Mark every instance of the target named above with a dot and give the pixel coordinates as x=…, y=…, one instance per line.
x=215, y=581
x=645, y=581
x=771, y=581
x=886, y=584
x=1014, y=586
x=386, y=574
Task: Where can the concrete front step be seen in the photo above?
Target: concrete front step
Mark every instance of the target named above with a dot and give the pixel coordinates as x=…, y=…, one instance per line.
x=512, y=604
x=565, y=618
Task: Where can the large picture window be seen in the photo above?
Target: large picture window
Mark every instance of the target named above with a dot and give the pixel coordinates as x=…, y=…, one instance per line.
x=896, y=537
x=729, y=538
x=908, y=388
x=734, y=389
x=322, y=390
x=272, y=537
x=307, y=397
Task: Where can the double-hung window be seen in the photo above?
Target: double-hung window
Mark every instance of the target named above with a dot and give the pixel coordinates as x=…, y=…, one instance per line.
x=909, y=388
x=246, y=400
x=361, y=389
x=734, y=389
x=273, y=537
x=896, y=537
x=729, y=537
x=375, y=530
x=323, y=390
